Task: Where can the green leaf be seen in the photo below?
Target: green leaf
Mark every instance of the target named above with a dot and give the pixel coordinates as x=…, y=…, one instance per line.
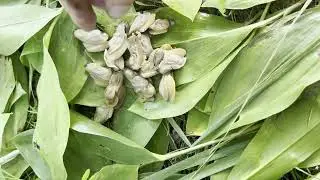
x=187, y=8
x=158, y=144
x=18, y=118
x=117, y=171
x=78, y=152
x=218, y=166
x=132, y=126
x=289, y=68
x=3, y=121
x=108, y=143
x=16, y=167
x=313, y=160
x=53, y=120
x=234, y=4
x=21, y=22
x=223, y=175
x=7, y=82
x=12, y=2
x=69, y=57
x=90, y=95
x=197, y=122
x=216, y=36
x=23, y=142
x=296, y=128
x=197, y=159
x=32, y=53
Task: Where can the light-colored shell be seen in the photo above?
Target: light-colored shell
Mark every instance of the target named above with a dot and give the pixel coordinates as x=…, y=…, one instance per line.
x=142, y=22
x=159, y=26
x=93, y=41
x=141, y=86
x=115, y=64
x=113, y=88
x=118, y=44
x=103, y=113
x=100, y=75
x=167, y=87
x=136, y=53
x=146, y=44
x=149, y=67
x=172, y=60
x=166, y=47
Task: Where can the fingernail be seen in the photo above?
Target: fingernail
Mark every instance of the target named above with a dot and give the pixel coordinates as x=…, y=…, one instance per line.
x=117, y=11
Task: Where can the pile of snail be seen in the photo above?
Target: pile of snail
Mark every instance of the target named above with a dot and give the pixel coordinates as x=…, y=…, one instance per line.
x=143, y=63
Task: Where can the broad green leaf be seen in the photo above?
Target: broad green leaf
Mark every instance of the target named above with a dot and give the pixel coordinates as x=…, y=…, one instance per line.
x=216, y=36
x=108, y=143
x=18, y=118
x=283, y=92
x=53, y=120
x=197, y=159
x=132, y=126
x=7, y=82
x=78, y=152
x=296, y=128
x=244, y=71
x=32, y=53
x=218, y=166
x=20, y=72
x=197, y=122
x=187, y=97
x=90, y=95
x=3, y=121
x=187, y=8
x=69, y=57
x=223, y=175
x=19, y=103
x=29, y=151
x=117, y=171
x=16, y=167
x=12, y=2
x=158, y=144
x=16, y=95
x=278, y=96
x=21, y=22
x=313, y=160
x=234, y=4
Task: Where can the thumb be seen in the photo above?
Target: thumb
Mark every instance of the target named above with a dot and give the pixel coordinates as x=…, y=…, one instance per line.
x=117, y=8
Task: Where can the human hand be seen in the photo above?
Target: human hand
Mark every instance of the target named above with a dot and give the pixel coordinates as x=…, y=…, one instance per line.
x=82, y=14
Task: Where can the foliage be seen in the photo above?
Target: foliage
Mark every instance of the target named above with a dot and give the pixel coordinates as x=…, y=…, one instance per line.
x=247, y=101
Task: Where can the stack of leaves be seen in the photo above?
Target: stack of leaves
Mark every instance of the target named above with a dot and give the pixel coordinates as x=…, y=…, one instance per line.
x=143, y=63
x=248, y=94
